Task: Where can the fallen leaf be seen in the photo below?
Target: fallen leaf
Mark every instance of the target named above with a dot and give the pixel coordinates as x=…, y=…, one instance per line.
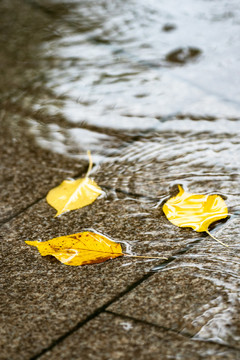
x=82, y=249
x=79, y=249
x=195, y=210
x=74, y=194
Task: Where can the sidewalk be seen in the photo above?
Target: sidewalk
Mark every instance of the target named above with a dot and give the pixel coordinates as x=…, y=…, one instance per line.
x=186, y=307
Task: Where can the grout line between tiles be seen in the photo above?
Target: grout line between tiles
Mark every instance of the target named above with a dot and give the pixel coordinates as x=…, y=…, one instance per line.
x=74, y=177
x=183, y=333
x=3, y=222
x=165, y=328
x=91, y=316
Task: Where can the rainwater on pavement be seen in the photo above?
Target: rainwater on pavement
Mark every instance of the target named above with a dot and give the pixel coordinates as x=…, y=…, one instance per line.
x=152, y=90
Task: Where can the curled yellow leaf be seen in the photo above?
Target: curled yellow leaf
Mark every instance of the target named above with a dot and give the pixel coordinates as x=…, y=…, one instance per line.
x=79, y=249
x=195, y=210
x=74, y=194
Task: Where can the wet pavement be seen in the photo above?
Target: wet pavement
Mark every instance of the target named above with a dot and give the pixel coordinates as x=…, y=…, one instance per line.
x=152, y=89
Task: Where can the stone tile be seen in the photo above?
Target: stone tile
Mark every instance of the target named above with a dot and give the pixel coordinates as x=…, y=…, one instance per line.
x=43, y=298
x=145, y=230
x=29, y=172
x=115, y=337
x=197, y=294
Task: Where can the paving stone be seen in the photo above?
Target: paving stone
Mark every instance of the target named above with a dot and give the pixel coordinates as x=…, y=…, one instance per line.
x=43, y=298
x=46, y=114
x=124, y=219
x=40, y=293
x=115, y=337
x=28, y=173
x=197, y=294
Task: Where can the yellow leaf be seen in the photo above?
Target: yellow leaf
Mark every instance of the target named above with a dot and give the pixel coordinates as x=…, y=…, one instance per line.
x=195, y=210
x=82, y=249
x=74, y=194
x=79, y=249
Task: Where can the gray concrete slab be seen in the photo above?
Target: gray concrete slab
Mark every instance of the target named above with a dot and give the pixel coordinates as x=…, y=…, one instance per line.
x=116, y=337
x=57, y=101
x=196, y=294
x=46, y=299
x=125, y=219
x=43, y=299
x=28, y=172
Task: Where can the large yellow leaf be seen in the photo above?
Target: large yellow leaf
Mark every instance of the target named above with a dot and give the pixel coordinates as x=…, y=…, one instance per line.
x=79, y=249
x=74, y=194
x=82, y=249
x=195, y=210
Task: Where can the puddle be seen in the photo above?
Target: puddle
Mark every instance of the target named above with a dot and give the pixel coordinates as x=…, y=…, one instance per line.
x=106, y=78
x=215, y=320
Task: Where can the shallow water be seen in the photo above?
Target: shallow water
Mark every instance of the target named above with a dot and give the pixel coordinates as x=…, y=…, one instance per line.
x=153, y=91
x=108, y=68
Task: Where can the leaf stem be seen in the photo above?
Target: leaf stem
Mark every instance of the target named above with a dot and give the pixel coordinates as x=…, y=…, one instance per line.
x=90, y=163
x=216, y=239
x=146, y=257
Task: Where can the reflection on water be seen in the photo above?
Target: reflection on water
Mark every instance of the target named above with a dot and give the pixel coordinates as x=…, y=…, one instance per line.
x=152, y=89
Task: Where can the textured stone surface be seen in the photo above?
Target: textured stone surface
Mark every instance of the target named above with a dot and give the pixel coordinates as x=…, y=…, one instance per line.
x=46, y=299
x=121, y=219
x=42, y=299
x=79, y=75
x=115, y=337
x=28, y=173
x=197, y=294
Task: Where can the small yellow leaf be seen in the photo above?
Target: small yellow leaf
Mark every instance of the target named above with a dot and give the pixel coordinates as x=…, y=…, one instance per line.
x=79, y=249
x=74, y=194
x=195, y=210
